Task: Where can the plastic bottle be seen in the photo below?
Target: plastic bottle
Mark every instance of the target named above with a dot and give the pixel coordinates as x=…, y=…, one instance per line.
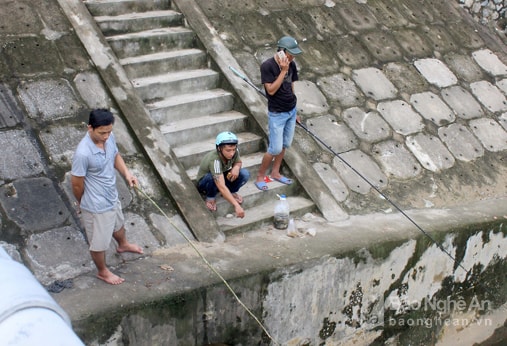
x=281, y=218
x=291, y=230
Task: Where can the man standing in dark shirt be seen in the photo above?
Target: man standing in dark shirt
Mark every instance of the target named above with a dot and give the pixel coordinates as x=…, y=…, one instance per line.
x=278, y=75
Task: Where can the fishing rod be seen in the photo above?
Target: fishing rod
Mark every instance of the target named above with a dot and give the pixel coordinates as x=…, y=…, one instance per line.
x=239, y=74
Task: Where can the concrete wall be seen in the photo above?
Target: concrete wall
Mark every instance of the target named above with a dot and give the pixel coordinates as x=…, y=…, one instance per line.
x=398, y=293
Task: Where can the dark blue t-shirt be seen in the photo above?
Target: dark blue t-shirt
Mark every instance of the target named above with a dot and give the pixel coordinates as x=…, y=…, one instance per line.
x=284, y=99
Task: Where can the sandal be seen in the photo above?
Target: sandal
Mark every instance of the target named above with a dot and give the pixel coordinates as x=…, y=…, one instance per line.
x=238, y=198
x=211, y=204
x=283, y=180
x=261, y=185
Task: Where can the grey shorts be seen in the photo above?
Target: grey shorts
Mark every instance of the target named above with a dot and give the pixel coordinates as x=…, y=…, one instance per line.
x=100, y=227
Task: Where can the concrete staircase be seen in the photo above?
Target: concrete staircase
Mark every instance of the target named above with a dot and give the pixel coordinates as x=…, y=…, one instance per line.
x=172, y=74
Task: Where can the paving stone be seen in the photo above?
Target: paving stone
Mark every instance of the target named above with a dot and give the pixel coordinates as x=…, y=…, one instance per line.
x=357, y=16
x=368, y=126
x=430, y=151
x=310, y=98
x=49, y=99
x=436, y=72
x=431, y=107
x=33, y=204
x=465, y=34
x=382, y=45
x=445, y=9
x=461, y=142
x=10, y=113
x=333, y=181
x=351, y=51
x=217, y=6
x=464, y=67
x=401, y=116
x=374, y=83
x=462, y=102
x=28, y=23
x=490, y=96
x=92, y=90
x=384, y=12
x=137, y=232
x=171, y=229
x=417, y=13
x=363, y=167
x=19, y=156
x=325, y=20
x=405, y=77
x=412, y=43
x=46, y=260
x=336, y=135
x=492, y=136
x=24, y=55
x=440, y=38
x=60, y=143
x=396, y=160
x=490, y=62
x=341, y=88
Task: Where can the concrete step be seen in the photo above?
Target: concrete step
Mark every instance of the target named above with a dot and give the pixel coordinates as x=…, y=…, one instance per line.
x=118, y=7
x=163, y=62
x=172, y=77
x=190, y=155
x=138, y=21
x=175, y=83
x=149, y=41
x=190, y=106
x=253, y=197
x=260, y=214
x=183, y=132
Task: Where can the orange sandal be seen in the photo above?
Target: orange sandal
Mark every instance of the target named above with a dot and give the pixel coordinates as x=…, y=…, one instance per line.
x=211, y=204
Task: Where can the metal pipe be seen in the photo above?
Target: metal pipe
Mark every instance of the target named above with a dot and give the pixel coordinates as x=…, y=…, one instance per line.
x=28, y=314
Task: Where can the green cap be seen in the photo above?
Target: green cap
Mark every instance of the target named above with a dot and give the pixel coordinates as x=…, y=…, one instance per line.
x=290, y=44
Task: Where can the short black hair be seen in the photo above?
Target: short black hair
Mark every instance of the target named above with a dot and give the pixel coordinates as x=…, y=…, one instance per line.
x=100, y=117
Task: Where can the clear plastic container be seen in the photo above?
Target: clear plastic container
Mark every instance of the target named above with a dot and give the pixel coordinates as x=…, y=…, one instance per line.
x=281, y=215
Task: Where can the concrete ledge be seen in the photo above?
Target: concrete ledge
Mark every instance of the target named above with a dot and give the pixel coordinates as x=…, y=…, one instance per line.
x=264, y=250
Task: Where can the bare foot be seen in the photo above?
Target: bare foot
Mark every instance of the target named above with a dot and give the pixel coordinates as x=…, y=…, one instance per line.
x=211, y=204
x=129, y=248
x=110, y=278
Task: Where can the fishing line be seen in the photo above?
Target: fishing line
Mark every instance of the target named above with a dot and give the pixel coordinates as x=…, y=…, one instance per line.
x=359, y=174
x=209, y=265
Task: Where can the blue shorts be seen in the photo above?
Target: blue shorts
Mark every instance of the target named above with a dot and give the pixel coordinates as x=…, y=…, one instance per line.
x=281, y=130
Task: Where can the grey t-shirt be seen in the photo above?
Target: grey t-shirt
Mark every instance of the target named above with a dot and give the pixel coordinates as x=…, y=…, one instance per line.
x=97, y=167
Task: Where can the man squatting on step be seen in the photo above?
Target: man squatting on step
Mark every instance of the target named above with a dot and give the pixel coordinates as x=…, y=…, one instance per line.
x=278, y=75
x=94, y=186
x=220, y=171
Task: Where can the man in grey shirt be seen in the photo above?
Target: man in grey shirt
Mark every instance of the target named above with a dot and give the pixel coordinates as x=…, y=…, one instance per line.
x=94, y=186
